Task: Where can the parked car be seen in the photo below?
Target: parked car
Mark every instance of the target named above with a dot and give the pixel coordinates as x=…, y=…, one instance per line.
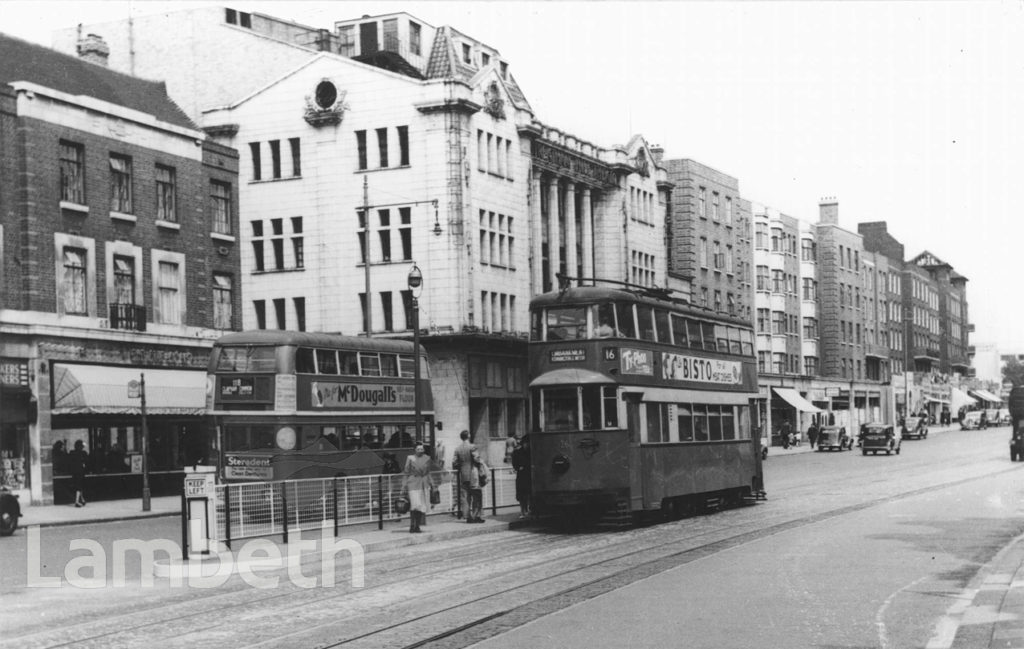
x=834, y=438
x=1002, y=418
x=915, y=427
x=973, y=421
x=1017, y=446
x=879, y=437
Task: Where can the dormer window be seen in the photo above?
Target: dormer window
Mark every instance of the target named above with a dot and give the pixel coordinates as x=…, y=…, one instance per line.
x=485, y=60
x=504, y=70
x=467, y=54
x=414, y=38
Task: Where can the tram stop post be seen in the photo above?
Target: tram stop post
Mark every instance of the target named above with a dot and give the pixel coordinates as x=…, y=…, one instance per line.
x=198, y=510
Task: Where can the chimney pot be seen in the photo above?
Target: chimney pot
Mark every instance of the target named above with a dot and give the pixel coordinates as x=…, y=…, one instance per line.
x=94, y=49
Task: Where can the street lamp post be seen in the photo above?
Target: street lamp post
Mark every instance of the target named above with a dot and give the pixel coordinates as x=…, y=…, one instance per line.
x=415, y=282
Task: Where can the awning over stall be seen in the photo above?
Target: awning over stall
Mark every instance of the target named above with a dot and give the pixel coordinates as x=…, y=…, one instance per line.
x=985, y=395
x=103, y=390
x=569, y=376
x=793, y=398
x=960, y=399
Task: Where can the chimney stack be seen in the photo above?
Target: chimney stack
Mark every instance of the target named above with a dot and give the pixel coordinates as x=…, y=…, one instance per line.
x=828, y=211
x=94, y=49
x=658, y=152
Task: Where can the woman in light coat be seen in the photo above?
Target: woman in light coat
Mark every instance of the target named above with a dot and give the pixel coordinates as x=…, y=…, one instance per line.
x=418, y=483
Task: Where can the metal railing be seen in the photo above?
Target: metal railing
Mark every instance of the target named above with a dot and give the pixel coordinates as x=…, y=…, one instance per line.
x=258, y=509
x=127, y=316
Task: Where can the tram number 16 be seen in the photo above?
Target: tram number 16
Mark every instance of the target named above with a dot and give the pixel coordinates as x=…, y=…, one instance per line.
x=611, y=353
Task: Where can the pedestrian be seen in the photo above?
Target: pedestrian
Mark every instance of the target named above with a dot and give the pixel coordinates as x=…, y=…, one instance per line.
x=524, y=479
x=812, y=434
x=78, y=462
x=784, y=433
x=466, y=461
x=418, y=483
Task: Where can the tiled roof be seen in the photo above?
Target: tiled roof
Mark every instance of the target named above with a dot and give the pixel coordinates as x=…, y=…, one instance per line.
x=445, y=63
x=390, y=61
x=24, y=61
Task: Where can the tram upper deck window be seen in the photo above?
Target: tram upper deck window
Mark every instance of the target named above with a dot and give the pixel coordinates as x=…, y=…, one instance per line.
x=406, y=368
x=388, y=365
x=645, y=317
x=693, y=333
x=722, y=337
x=348, y=363
x=246, y=358
x=566, y=323
x=661, y=325
x=604, y=320
x=684, y=417
x=735, y=342
x=679, y=330
x=326, y=361
x=369, y=364
x=537, y=325
x=747, y=338
x=707, y=330
x=624, y=316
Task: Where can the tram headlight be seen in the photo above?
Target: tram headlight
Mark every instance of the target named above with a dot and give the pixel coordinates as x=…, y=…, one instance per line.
x=285, y=438
x=560, y=464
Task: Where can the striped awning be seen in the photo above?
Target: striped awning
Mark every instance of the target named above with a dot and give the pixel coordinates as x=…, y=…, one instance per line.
x=985, y=395
x=103, y=390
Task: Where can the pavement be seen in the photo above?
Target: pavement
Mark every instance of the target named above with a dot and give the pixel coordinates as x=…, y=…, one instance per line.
x=988, y=613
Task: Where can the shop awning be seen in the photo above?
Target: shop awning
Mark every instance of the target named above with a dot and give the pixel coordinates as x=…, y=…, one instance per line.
x=793, y=398
x=960, y=399
x=670, y=395
x=103, y=390
x=569, y=376
x=936, y=400
x=985, y=395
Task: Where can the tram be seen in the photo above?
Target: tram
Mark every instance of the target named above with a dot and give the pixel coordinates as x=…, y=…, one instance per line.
x=640, y=402
x=290, y=405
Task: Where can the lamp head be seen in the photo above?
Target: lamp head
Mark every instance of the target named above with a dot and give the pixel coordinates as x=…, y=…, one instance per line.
x=415, y=279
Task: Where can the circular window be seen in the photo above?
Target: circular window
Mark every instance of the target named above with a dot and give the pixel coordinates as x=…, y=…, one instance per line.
x=326, y=94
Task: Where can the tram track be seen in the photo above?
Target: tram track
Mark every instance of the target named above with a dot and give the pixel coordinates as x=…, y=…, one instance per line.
x=522, y=591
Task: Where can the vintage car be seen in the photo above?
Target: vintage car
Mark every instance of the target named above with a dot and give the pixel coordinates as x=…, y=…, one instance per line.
x=973, y=420
x=1017, y=446
x=834, y=438
x=879, y=437
x=10, y=511
x=915, y=427
x=1000, y=418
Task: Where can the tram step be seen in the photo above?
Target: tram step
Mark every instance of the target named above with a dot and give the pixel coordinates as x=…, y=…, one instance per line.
x=617, y=516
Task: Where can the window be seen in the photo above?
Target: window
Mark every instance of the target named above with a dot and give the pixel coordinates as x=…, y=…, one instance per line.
x=763, y=283
x=385, y=303
x=165, y=181
x=260, y=308
x=72, y=178
x=810, y=288
x=296, y=147
x=221, y=301
x=300, y=313
x=382, y=146
x=702, y=202
x=257, y=165
x=761, y=236
x=168, y=293
x=810, y=327
x=728, y=210
x=778, y=322
x=762, y=321
x=778, y=281
x=715, y=207
x=810, y=365
x=298, y=249
x=347, y=40
x=403, y=146
x=277, y=229
x=74, y=284
x=120, y=184
x=718, y=260
x=361, y=149
x=220, y=204
x=702, y=253
x=467, y=53
x=415, y=36
x=280, y=313
x=275, y=158
x=808, y=250
x=124, y=280
x=776, y=240
x=257, y=244
x=405, y=232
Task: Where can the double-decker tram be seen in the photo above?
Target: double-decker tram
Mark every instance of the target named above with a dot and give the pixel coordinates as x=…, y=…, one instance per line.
x=290, y=405
x=640, y=402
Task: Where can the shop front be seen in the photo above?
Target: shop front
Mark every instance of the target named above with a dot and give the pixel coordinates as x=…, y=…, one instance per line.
x=99, y=408
x=17, y=410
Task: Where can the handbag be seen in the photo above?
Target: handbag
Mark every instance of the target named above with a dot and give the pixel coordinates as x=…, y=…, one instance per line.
x=435, y=496
x=402, y=504
x=483, y=477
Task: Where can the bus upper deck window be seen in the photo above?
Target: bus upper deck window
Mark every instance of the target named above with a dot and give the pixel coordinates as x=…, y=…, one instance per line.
x=624, y=316
x=661, y=326
x=693, y=333
x=369, y=364
x=747, y=338
x=326, y=361
x=708, y=332
x=735, y=340
x=348, y=363
x=304, y=363
x=679, y=331
x=567, y=323
x=388, y=365
x=722, y=337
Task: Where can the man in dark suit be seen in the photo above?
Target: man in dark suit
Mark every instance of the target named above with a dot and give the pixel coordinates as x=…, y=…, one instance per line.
x=466, y=461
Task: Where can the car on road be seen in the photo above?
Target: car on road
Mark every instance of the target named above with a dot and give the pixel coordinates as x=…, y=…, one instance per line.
x=834, y=438
x=973, y=421
x=879, y=437
x=915, y=427
x=1017, y=446
x=10, y=512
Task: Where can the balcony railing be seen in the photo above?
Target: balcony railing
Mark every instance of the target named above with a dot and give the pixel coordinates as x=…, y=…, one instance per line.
x=128, y=316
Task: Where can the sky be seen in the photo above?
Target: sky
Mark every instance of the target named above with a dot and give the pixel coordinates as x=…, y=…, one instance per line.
x=906, y=112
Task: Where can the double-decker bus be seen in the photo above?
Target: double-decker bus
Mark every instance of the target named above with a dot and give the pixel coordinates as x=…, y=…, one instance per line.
x=639, y=402
x=290, y=405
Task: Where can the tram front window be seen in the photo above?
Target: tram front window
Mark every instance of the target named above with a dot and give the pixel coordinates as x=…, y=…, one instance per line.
x=604, y=321
x=560, y=409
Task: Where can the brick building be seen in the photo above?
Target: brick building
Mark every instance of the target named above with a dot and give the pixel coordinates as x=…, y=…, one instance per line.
x=118, y=259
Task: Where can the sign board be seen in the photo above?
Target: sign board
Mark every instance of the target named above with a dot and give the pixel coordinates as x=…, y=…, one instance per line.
x=248, y=467
x=137, y=463
x=134, y=389
x=199, y=486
